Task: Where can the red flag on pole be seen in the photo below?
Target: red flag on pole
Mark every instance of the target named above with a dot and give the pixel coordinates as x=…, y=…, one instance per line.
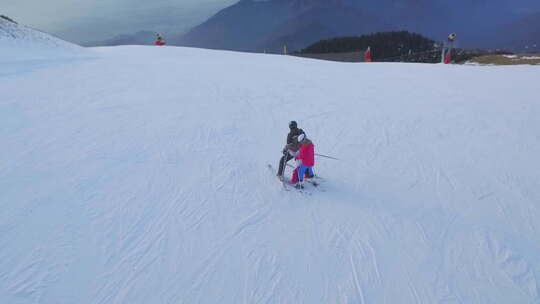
x=367, y=55
x=448, y=58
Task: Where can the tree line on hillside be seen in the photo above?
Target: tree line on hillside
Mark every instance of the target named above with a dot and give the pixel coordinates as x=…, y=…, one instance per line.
x=386, y=46
x=394, y=46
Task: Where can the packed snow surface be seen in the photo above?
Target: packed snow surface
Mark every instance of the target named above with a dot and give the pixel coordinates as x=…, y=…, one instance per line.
x=140, y=176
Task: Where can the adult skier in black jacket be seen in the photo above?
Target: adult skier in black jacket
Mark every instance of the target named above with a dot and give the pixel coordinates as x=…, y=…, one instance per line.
x=292, y=144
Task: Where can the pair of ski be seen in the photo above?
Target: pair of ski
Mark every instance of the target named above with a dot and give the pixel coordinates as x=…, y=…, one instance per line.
x=287, y=186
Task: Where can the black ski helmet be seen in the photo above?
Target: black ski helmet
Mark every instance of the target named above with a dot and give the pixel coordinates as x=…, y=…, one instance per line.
x=293, y=125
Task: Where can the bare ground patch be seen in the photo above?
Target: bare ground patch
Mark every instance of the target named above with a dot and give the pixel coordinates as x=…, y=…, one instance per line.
x=507, y=59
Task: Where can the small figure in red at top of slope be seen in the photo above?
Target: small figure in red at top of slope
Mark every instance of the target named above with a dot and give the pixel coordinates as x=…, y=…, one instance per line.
x=159, y=40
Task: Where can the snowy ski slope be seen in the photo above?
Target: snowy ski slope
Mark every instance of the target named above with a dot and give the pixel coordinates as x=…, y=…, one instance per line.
x=140, y=176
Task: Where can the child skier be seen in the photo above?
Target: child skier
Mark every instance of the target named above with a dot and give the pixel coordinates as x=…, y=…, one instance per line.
x=305, y=158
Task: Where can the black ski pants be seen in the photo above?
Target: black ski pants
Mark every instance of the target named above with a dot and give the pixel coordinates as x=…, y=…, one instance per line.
x=284, y=159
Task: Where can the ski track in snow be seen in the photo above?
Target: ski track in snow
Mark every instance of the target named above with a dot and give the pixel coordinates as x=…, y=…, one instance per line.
x=139, y=176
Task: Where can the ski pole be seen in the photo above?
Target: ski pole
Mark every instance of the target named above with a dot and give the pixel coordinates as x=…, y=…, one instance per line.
x=326, y=156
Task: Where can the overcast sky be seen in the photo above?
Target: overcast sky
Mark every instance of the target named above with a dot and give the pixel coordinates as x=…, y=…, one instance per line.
x=88, y=20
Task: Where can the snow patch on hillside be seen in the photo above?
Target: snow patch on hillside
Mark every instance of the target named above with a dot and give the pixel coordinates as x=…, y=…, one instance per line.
x=20, y=43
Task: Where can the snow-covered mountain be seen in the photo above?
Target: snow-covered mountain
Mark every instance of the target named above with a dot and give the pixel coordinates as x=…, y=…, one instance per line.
x=267, y=25
x=138, y=38
x=522, y=35
x=19, y=42
x=141, y=177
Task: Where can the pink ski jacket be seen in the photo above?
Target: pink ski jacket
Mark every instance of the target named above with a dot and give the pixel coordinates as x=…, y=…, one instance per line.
x=307, y=153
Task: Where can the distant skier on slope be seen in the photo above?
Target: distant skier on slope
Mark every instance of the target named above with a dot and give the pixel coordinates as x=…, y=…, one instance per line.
x=291, y=146
x=159, y=40
x=305, y=158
